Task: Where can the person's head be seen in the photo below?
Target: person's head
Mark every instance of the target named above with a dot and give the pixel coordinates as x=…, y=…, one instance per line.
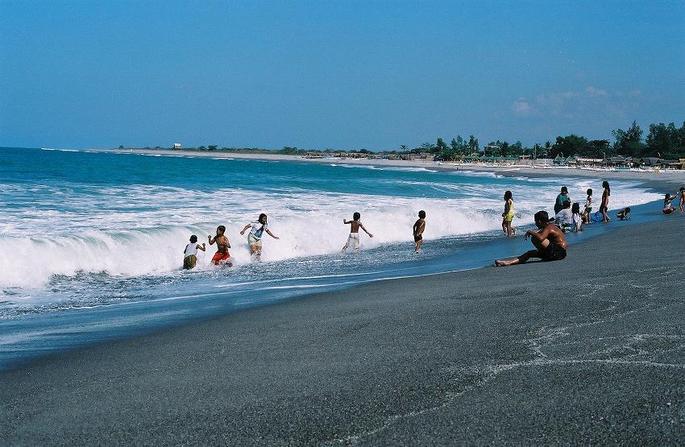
x=605, y=184
x=682, y=188
x=566, y=204
x=564, y=190
x=626, y=210
x=668, y=196
x=262, y=218
x=576, y=208
x=422, y=214
x=541, y=219
x=589, y=191
x=356, y=216
x=193, y=239
x=508, y=195
x=220, y=230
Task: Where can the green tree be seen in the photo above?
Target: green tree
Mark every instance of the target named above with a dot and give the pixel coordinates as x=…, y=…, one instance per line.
x=568, y=146
x=629, y=142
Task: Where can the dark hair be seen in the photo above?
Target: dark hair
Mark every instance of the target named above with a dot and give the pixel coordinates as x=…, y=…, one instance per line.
x=564, y=190
x=575, y=208
x=627, y=210
x=542, y=216
x=605, y=184
x=589, y=191
x=261, y=216
x=508, y=195
x=193, y=238
x=356, y=216
x=422, y=214
x=566, y=204
x=682, y=188
x=221, y=228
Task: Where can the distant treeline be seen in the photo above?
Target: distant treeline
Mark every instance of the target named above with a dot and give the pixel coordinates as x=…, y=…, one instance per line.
x=664, y=141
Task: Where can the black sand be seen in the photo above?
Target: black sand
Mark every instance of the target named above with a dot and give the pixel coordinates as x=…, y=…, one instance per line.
x=590, y=350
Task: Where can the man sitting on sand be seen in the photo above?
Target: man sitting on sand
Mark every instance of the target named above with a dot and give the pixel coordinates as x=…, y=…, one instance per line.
x=549, y=241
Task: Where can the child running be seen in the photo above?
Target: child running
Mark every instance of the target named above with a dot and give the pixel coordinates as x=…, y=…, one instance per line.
x=190, y=253
x=419, y=227
x=587, y=212
x=353, y=239
x=254, y=239
x=508, y=215
x=222, y=256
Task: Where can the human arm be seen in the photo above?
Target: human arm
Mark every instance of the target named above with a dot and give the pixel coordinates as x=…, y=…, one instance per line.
x=346, y=222
x=365, y=230
x=201, y=247
x=211, y=240
x=540, y=235
x=270, y=233
x=245, y=228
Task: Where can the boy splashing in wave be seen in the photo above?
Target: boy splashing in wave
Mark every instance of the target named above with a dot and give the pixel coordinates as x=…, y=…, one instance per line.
x=190, y=253
x=222, y=256
x=418, y=229
x=254, y=239
x=355, y=224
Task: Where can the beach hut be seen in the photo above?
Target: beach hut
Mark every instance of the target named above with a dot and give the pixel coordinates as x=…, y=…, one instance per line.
x=177, y=146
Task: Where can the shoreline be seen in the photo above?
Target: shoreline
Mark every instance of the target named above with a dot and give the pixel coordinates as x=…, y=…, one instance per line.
x=395, y=362
x=673, y=178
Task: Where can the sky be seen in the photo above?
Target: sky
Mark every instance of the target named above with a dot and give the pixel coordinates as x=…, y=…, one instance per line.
x=334, y=74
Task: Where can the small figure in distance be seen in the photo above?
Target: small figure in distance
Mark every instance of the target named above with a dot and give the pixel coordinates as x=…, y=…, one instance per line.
x=587, y=212
x=190, y=253
x=222, y=256
x=561, y=198
x=419, y=227
x=549, y=241
x=604, y=207
x=353, y=239
x=668, y=204
x=577, y=220
x=682, y=199
x=624, y=214
x=508, y=214
x=254, y=239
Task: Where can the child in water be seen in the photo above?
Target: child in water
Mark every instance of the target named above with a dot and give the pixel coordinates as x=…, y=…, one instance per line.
x=190, y=253
x=668, y=204
x=419, y=227
x=508, y=215
x=575, y=217
x=254, y=239
x=353, y=239
x=624, y=214
x=222, y=256
x=587, y=212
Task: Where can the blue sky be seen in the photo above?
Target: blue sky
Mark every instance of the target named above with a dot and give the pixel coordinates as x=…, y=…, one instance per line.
x=348, y=74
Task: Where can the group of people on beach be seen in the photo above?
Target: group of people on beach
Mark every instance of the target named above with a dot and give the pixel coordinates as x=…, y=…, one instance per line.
x=549, y=239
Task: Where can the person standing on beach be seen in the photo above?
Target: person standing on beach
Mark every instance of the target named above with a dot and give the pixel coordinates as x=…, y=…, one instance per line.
x=222, y=256
x=604, y=207
x=682, y=200
x=561, y=198
x=508, y=214
x=587, y=212
x=419, y=227
x=353, y=239
x=549, y=241
x=254, y=239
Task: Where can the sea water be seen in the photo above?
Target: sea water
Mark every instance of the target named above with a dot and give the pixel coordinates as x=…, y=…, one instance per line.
x=92, y=241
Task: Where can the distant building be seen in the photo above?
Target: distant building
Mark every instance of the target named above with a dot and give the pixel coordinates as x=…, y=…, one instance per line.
x=177, y=145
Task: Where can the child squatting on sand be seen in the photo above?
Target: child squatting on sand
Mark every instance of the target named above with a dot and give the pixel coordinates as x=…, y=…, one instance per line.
x=419, y=227
x=549, y=241
x=190, y=253
x=353, y=239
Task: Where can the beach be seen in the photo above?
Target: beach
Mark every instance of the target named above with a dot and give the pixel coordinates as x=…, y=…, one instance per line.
x=588, y=350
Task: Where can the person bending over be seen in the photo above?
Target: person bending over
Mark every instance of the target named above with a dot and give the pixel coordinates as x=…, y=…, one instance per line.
x=549, y=241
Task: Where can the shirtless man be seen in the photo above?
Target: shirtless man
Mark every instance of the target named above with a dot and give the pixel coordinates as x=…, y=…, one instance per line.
x=355, y=224
x=549, y=241
x=222, y=256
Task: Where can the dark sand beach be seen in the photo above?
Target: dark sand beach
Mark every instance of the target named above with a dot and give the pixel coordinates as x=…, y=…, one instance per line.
x=589, y=350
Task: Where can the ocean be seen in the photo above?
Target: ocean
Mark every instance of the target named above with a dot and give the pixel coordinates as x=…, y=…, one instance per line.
x=93, y=240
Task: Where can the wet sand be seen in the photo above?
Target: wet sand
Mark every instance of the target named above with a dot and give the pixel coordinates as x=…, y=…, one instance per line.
x=589, y=350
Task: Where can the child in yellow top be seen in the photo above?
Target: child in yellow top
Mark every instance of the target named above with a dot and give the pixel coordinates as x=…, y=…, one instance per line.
x=508, y=215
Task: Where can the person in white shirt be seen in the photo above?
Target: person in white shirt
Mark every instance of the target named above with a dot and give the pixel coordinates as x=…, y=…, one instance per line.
x=254, y=238
x=564, y=218
x=190, y=253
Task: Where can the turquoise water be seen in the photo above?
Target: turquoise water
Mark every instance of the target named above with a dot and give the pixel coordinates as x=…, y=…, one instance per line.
x=93, y=240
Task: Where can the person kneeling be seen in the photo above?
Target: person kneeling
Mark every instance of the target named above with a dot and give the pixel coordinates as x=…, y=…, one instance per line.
x=549, y=241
